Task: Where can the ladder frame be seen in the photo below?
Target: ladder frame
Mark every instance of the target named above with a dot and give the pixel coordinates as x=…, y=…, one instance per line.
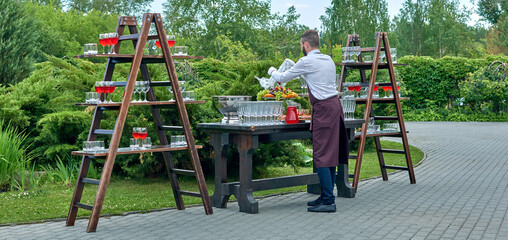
x=137, y=65
x=382, y=44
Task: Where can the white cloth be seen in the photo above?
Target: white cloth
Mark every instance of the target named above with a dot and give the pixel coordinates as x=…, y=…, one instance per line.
x=317, y=69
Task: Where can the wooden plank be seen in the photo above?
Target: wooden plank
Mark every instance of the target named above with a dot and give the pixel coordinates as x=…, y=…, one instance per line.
x=396, y=167
x=149, y=103
x=84, y=206
x=128, y=150
x=171, y=128
x=183, y=172
x=91, y=181
x=104, y=132
x=392, y=151
x=379, y=100
x=189, y=193
x=367, y=114
x=170, y=67
x=128, y=21
x=120, y=122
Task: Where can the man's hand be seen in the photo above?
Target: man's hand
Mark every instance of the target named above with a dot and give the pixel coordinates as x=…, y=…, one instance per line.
x=271, y=69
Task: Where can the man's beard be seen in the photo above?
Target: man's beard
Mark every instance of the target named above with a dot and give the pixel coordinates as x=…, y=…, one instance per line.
x=304, y=52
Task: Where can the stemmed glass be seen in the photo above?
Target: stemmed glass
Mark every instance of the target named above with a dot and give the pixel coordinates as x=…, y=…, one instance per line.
x=113, y=40
x=139, y=133
x=170, y=95
x=110, y=88
x=182, y=85
x=100, y=87
x=145, y=87
x=103, y=40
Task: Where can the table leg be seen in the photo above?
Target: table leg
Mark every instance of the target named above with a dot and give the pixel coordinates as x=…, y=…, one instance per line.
x=342, y=181
x=246, y=145
x=220, y=143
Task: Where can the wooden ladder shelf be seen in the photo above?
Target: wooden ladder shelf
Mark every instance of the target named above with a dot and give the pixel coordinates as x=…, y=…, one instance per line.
x=381, y=45
x=139, y=62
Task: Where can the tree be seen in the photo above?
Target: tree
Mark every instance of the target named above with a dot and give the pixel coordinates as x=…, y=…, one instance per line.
x=434, y=28
x=491, y=10
x=202, y=21
x=18, y=42
x=122, y=7
x=363, y=17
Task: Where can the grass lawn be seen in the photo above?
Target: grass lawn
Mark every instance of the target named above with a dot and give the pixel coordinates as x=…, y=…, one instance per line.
x=52, y=201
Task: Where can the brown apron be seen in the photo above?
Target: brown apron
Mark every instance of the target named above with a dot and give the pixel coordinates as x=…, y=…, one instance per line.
x=329, y=136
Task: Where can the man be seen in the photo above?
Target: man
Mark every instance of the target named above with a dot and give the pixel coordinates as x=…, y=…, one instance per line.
x=327, y=123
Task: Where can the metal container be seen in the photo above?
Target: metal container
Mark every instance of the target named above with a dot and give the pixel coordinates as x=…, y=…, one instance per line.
x=226, y=106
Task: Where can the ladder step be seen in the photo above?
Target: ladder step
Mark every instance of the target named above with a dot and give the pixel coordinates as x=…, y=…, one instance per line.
x=171, y=128
x=386, y=118
x=189, y=193
x=104, y=131
x=351, y=175
x=91, y=181
x=83, y=206
x=352, y=156
x=183, y=172
x=136, y=36
x=160, y=84
x=392, y=151
x=396, y=167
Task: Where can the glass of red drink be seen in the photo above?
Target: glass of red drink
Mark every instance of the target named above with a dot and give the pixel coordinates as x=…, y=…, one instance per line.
x=171, y=42
x=139, y=133
x=113, y=40
x=103, y=40
x=110, y=88
x=100, y=88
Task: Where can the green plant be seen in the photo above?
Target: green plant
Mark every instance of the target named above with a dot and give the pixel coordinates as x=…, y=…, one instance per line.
x=62, y=173
x=15, y=158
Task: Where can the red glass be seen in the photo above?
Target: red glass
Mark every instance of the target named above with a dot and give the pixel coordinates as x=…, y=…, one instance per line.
x=100, y=89
x=385, y=88
x=158, y=44
x=135, y=135
x=171, y=43
x=104, y=42
x=142, y=135
x=358, y=88
x=398, y=87
x=390, y=88
x=107, y=41
x=376, y=88
x=292, y=115
x=110, y=89
x=113, y=40
x=352, y=88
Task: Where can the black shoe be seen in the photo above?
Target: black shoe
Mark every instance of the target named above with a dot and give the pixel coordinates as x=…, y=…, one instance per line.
x=323, y=208
x=315, y=202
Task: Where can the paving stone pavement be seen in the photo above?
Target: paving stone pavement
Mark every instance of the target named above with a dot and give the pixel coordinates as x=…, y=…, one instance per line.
x=461, y=193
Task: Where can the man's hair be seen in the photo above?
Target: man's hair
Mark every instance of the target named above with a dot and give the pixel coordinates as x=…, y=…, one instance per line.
x=312, y=37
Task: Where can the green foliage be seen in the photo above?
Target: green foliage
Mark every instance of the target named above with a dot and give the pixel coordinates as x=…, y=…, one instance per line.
x=124, y=7
x=62, y=173
x=19, y=42
x=15, y=158
x=233, y=51
x=63, y=33
x=485, y=90
x=363, y=17
x=434, y=28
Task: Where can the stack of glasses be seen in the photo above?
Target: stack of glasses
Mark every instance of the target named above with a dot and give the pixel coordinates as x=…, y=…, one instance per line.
x=178, y=141
x=350, y=54
x=260, y=113
x=348, y=106
x=93, y=146
x=390, y=127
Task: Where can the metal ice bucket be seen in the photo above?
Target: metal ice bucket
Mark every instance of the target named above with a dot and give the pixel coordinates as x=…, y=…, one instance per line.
x=226, y=106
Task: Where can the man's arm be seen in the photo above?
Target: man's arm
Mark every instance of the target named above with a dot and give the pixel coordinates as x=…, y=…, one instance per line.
x=295, y=71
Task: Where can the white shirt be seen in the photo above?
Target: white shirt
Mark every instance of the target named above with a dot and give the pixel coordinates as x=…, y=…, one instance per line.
x=319, y=72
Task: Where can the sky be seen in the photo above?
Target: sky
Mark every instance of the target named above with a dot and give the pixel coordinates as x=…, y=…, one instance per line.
x=310, y=12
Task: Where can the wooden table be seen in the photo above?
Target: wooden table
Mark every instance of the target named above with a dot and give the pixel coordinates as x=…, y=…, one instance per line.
x=247, y=139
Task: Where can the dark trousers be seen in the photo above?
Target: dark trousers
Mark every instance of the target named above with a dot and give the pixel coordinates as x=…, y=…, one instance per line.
x=327, y=179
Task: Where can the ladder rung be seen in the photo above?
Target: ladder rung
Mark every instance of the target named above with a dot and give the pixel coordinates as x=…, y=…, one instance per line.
x=91, y=181
x=189, y=193
x=171, y=128
x=386, y=118
x=83, y=206
x=351, y=175
x=104, y=131
x=106, y=108
x=392, y=151
x=136, y=36
x=161, y=84
x=396, y=167
x=183, y=172
x=352, y=156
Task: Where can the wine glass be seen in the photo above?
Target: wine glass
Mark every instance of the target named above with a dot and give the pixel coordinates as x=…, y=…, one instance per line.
x=171, y=40
x=386, y=89
x=145, y=88
x=113, y=40
x=103, y=40
x=100, y=87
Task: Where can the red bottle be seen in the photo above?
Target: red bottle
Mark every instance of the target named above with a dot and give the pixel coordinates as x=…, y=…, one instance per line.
x=292, y=115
